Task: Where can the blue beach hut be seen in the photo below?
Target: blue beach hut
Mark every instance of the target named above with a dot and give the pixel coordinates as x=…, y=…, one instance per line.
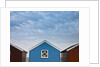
x=44, y=52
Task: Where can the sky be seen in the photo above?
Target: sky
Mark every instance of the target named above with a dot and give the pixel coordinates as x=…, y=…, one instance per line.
x=28, y=28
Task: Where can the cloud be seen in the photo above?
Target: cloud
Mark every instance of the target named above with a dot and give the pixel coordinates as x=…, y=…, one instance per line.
x=55, y=26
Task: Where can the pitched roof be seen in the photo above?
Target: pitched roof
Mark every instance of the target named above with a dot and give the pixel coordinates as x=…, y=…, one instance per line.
x=43, y=42
x=71, y=47
x=18, y=47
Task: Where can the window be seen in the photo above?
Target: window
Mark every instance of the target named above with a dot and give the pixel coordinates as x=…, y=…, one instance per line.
x=44, y=53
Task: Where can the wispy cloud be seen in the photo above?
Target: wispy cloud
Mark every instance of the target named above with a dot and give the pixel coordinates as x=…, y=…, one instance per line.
x=27, y=28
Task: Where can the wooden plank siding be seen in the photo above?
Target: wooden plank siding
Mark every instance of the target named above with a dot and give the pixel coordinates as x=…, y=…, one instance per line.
x=70, y=54
x=15, y=54
x=73, y=55
x=64, y=57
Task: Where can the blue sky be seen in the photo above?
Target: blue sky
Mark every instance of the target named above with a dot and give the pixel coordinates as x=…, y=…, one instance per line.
x=28, y=28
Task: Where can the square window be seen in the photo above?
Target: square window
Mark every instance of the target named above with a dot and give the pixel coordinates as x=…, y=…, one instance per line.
x=44, y=53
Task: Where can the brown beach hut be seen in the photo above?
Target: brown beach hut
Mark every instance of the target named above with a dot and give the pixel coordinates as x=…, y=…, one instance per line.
x=71, y=54
x=17, y=54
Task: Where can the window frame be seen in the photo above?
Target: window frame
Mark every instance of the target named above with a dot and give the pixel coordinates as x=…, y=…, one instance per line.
x=41, y=54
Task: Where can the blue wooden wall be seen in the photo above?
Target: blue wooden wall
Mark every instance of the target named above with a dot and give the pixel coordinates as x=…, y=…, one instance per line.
x=53, y=54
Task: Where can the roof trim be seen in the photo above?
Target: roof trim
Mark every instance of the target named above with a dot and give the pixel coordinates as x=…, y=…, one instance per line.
x=17, y=47
x=43, y=42
x=73, y=47
x=69, y=48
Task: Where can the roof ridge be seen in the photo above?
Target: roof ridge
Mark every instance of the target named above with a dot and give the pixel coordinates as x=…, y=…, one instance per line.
x=43, y=42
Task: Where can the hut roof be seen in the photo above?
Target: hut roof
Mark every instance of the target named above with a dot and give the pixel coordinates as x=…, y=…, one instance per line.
x=18, y=48
x=71, y=47
x=43, y=42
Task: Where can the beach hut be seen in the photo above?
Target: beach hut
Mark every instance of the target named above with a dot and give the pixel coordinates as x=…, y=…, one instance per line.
x=44, y=52
x=71, y=54
x=17, y=54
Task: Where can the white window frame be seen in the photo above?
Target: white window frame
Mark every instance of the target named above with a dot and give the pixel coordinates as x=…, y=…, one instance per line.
x=41, y=54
